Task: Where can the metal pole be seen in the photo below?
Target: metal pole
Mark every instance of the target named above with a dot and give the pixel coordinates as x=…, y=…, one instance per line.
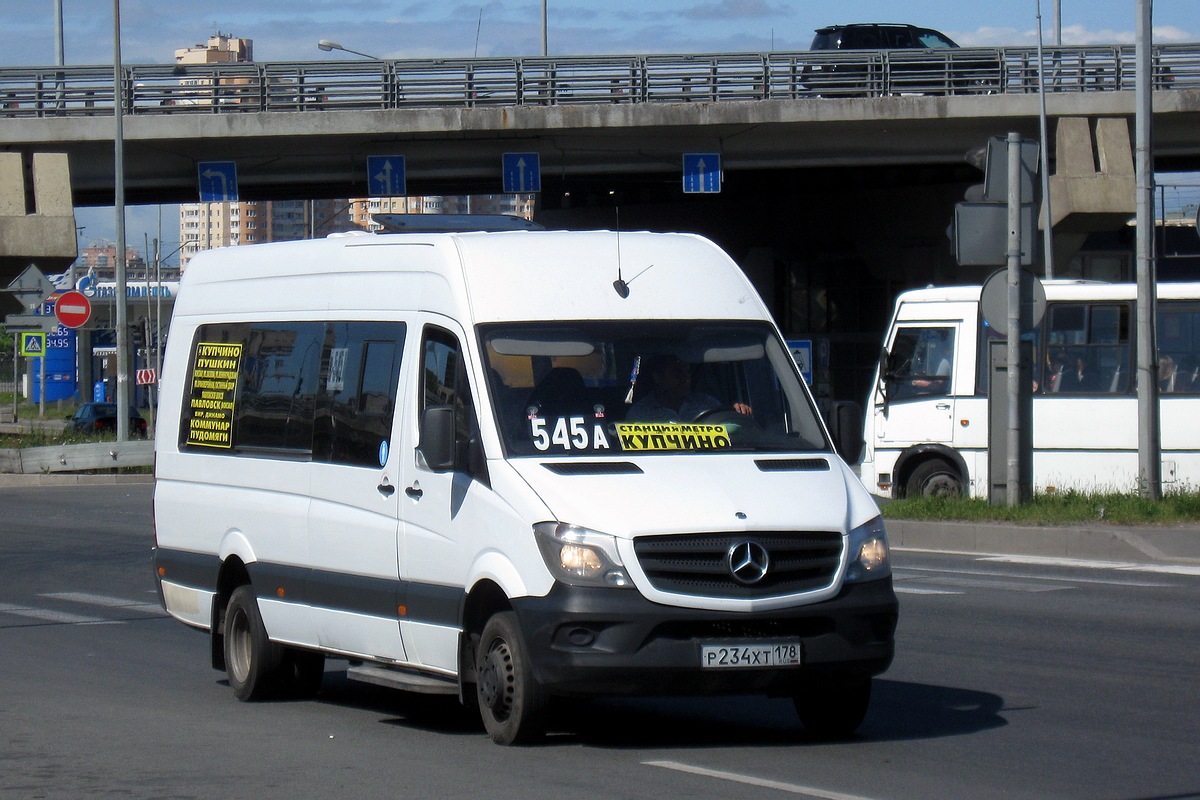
x=545, y=51
x=1149, y=442
x=1057, y=23
x=157, y=325
x=1044, y=127
x=119, y=201
x=1013, y=462
x=42, y=380
x=59, y=51
x=16, y=350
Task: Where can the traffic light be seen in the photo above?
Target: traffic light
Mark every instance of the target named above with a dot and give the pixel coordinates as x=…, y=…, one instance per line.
x=979, y=231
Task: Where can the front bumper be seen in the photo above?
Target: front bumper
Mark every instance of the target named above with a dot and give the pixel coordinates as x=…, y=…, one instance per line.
x=586, y=641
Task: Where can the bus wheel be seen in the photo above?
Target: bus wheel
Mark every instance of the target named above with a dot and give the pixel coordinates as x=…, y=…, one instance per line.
x=511, y=702
x=934, y=478
x=254, y=663
x=833, y=709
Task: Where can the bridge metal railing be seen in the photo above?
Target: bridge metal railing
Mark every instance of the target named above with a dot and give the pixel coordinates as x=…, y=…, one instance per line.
x=302, y=86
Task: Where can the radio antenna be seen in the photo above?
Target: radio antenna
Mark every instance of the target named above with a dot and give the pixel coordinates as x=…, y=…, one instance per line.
x=621, y=287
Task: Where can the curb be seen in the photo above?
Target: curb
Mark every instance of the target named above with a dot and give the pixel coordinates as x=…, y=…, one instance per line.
x=1178, y=545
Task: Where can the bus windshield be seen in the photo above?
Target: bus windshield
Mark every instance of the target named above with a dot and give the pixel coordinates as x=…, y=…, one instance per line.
x=653, y=386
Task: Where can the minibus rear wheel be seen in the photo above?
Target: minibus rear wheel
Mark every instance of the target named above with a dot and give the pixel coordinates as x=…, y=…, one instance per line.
x=934, y=478
x=511, y=702
x=253, y=662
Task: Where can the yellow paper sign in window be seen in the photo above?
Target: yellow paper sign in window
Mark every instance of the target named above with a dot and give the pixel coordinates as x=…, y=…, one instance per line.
x=214, y=389
x=672, y=436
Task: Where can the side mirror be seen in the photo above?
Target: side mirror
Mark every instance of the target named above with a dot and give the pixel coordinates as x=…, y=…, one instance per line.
x=845, y=426
x=437, y=438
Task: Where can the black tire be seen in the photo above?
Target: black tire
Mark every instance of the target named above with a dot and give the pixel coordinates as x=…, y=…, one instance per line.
x=934, y=478
x=834, y=708
x=254, y=663
x=511, y=702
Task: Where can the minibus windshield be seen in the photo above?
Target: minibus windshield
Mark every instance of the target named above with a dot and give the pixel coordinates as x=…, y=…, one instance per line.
x=647, y=386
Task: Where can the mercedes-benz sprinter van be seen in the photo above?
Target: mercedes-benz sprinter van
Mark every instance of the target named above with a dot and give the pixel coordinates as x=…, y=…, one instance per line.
x=510, y=466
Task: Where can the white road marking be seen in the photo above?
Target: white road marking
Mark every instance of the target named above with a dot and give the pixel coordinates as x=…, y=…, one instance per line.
x=1161, y=569
x=48, y=615
x=106, y=601
x=901, y=588
x=1051, y=578
x=753, y=781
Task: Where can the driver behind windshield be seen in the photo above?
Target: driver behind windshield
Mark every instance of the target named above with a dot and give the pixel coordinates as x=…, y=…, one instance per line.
x=671, y=398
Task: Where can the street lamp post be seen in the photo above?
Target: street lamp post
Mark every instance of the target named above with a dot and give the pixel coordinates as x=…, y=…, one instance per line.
x=327, y=45
x=122, y=389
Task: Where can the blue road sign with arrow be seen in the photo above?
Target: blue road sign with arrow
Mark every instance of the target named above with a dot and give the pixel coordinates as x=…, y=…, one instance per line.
x=218, y=181
x=701, y=173
x=522, y=172
x=385, y=176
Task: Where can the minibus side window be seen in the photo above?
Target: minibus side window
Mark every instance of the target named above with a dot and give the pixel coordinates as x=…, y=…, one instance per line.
x=1087, y=348
x=253, y=387
x=921, y=362
x=360, y=370
x=444, y=382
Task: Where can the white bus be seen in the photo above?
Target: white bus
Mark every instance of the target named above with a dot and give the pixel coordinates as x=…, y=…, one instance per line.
x=926, y=426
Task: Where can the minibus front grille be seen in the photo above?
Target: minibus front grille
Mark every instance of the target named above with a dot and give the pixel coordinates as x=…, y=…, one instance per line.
x=705, y=564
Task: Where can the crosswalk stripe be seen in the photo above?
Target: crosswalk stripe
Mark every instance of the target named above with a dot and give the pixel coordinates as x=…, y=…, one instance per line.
x=105, y=601
x=50, y=615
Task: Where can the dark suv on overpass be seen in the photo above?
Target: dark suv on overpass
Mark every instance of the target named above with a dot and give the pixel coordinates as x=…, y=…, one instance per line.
x=905, y=59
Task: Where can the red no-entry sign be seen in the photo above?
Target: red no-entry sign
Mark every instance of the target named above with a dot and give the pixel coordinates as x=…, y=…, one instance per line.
x=73, y=309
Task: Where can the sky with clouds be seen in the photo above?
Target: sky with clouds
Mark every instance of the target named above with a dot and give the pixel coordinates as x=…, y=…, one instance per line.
x=152, y=29
x=289, y=30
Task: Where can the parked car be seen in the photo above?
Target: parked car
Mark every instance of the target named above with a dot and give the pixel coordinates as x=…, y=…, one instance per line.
x=102, y=418
x=918, y=69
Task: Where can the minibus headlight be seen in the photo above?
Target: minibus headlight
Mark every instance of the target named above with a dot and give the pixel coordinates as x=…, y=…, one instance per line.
x=868, y=547
x=579, y=556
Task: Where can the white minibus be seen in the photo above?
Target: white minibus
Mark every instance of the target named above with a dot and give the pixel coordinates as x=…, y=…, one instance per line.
x=926, y=426
x=510, y=466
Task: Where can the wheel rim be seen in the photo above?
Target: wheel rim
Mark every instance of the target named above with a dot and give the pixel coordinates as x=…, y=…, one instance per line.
x=942, y=485
x=496, y=680
x=237, y=631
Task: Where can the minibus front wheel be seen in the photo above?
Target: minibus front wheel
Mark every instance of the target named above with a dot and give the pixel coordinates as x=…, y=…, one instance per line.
x=511, y=701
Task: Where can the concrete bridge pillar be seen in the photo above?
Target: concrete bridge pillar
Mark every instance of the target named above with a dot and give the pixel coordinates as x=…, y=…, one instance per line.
x=1093, y=184
x=37, y=218
x=1093, y=187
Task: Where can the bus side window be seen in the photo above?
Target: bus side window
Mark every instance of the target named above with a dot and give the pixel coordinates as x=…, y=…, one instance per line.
x=1179, y=347
x=1088, y=348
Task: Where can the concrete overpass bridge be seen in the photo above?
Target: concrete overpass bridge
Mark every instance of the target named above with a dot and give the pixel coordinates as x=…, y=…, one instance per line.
x=305, y=129
x=841, y=170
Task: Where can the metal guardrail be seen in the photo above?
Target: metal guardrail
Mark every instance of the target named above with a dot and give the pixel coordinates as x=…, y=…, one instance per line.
x=548, y=81
x=76, y=457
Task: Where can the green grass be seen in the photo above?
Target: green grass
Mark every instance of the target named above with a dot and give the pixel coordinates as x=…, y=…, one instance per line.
x=45, y=436
x=1060, y=508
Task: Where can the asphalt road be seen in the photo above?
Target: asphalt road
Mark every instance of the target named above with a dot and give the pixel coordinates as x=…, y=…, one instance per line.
x=1012, y=680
